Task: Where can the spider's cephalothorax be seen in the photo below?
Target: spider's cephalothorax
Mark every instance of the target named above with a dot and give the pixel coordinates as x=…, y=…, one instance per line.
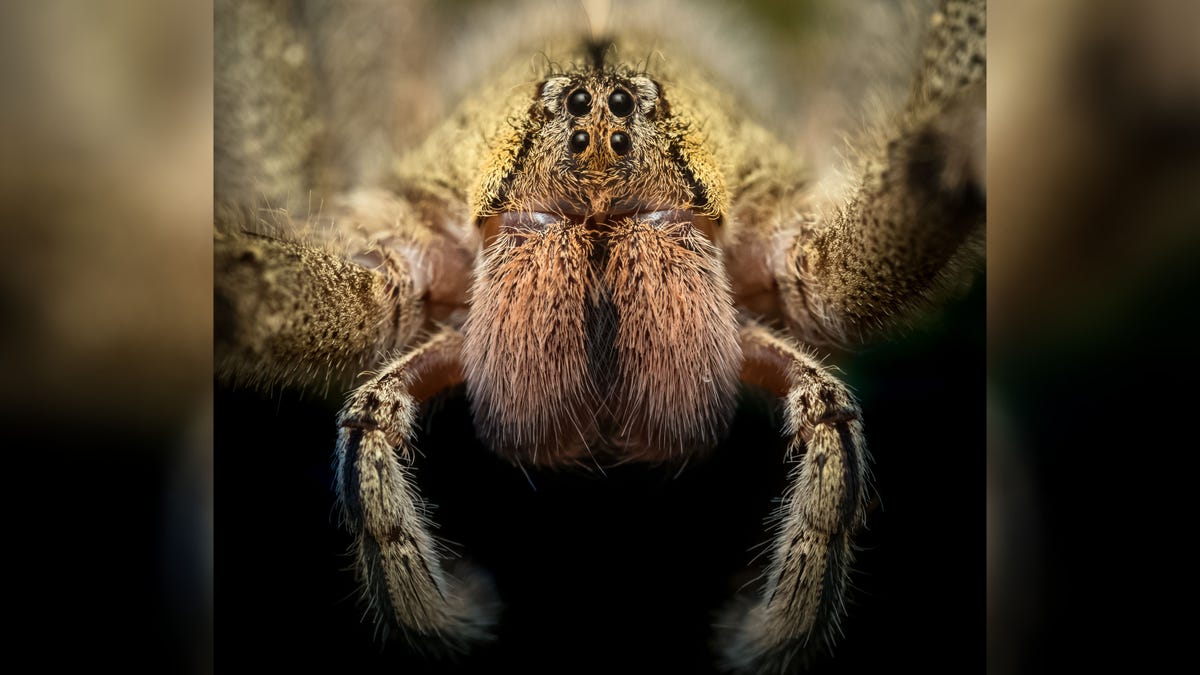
x=602, y=250
x=601, y=318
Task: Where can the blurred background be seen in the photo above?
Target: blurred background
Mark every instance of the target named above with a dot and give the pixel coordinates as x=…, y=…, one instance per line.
x=106, y=306
x=1018, y=535
x=1093, y=235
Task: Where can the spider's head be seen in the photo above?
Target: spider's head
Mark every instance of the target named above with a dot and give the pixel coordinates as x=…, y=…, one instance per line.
x=600, y=308
x=601, y=141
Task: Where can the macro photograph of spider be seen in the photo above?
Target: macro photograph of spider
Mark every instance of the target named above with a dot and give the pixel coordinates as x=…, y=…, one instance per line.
x=585, y=336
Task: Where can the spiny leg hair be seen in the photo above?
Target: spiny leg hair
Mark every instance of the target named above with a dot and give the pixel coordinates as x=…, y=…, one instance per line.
x=301, y=298
x=398, y=559
x=290, y=313
x=802, y=599
x=910, y=227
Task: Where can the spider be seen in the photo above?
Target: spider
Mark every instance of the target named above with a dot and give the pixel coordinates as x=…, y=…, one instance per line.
x=600, y=247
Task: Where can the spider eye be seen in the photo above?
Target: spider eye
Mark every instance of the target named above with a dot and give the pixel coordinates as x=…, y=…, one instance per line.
x=579, y=141
x=620, y=103
x=620, y=143
x=579, y=103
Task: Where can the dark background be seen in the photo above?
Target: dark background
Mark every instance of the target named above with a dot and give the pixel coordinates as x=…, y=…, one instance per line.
x=624, y=571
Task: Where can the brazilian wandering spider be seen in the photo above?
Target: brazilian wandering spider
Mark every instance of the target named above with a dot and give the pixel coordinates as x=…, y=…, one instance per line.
x=598, y=249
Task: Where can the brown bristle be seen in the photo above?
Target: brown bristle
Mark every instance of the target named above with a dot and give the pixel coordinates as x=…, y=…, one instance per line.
x=625, y=333
x=677, y=350
x=525, y=343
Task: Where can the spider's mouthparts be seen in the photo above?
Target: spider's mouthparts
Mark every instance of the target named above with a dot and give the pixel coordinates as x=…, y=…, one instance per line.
x=622, y=328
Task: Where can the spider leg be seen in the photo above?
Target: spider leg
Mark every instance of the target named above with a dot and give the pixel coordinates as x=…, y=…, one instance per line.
x=330, y=294
x=324, y=294
x=287, y=312
x=397, y=557
x=802, y=599
x=911, y=224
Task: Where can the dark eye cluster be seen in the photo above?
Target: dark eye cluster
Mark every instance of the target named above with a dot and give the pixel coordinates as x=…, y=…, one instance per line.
x=620, y=103
x=579, y=103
